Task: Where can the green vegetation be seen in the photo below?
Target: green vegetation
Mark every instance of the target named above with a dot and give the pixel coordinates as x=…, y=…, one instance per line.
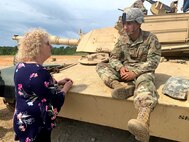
x=64, y=50
x=69, y=50
x=7, y=50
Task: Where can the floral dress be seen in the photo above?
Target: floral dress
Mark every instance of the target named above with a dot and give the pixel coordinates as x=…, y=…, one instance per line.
x=38, y=101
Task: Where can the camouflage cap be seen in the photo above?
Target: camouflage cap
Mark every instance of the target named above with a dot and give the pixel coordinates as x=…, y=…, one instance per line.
x=176, y=87
x=134, y=14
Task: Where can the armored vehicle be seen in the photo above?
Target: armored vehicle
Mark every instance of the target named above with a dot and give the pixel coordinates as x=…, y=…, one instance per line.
x=90, y=100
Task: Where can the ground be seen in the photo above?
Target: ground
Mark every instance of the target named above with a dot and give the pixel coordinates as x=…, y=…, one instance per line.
x=67, y=130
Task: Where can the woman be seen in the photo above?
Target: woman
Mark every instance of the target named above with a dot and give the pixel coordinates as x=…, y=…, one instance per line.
x=38, y=100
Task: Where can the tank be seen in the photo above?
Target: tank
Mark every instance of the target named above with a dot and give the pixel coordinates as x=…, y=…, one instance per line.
x=90, y=100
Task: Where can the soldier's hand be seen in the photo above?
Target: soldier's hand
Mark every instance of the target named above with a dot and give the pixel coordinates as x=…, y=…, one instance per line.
x=123, y=71
x=129, y=76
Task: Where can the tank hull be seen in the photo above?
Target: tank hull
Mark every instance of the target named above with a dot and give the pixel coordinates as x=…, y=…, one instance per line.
x=90, y=101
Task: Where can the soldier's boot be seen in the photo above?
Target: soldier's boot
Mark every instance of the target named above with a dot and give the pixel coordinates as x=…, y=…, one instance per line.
x=140, y=127
x=120, y=91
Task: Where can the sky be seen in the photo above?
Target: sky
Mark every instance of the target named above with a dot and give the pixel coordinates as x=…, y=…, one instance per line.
x=63, y=18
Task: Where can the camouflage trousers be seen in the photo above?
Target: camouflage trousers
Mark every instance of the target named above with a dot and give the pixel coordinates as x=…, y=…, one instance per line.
x=145, y=94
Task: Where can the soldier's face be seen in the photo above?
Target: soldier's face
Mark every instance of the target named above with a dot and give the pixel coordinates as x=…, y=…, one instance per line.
x=131, y=27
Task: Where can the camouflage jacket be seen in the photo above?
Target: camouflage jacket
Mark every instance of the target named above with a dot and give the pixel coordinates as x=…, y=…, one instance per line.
x=139, y=4
x=142, y=55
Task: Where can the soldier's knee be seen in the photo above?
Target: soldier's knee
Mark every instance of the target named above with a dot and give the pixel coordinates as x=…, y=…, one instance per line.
x=100, y=66
x=145, y=99
x=145, y=78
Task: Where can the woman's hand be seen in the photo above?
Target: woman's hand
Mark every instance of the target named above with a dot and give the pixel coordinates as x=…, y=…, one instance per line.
x=66, y=83
x=63, y=81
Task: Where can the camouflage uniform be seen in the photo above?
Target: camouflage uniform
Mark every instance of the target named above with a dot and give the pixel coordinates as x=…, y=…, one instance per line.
x=139, y=4
x=142, y=57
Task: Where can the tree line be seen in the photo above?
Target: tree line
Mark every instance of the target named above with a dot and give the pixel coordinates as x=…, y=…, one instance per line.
x=68, y=50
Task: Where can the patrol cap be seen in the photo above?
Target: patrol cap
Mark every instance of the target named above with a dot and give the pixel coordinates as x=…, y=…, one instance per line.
x=177, y=88
x=133, y=14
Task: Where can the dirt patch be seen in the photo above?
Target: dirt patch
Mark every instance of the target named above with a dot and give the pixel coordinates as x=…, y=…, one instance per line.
x=6, y=61
x=67, y=130
x=6, y=131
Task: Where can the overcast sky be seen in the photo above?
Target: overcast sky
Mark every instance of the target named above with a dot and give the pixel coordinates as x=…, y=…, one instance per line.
x=62, y=18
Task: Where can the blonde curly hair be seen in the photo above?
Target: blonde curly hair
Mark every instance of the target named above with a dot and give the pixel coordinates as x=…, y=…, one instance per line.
x=30, y=45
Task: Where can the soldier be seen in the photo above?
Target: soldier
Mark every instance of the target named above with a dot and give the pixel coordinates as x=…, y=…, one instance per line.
x=139, y=4
x=134, y=59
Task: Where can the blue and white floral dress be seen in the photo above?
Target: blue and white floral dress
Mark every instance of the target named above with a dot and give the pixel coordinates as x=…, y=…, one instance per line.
x=38, y=101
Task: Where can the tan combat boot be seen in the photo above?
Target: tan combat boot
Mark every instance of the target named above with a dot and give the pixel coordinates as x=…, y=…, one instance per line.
x=140, y=127
x=120, y=91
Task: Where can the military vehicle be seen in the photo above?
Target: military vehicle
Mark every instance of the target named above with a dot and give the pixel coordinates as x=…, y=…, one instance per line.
x=90, y=100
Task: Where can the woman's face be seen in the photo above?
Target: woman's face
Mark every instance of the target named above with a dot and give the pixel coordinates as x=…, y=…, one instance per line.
x=46, y=49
